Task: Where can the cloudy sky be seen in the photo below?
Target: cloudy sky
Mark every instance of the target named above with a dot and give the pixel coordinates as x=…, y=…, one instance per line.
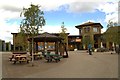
x=71, y=12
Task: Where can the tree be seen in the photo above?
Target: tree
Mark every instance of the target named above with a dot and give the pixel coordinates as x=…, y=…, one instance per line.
x=111, y=24
x=112, y=33
x=63, y=35
x=87, y=40
x=21, y=42
x=33, y=18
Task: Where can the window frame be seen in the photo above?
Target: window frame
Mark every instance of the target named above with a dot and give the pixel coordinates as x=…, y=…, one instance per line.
x=95, y=29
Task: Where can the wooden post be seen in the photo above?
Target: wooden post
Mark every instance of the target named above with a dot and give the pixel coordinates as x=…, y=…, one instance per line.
x=107, y=43
x=56, y=47
x=61, y=49
x=14, y=47
x=36, y=47
x=44, y=47
x=32, y=51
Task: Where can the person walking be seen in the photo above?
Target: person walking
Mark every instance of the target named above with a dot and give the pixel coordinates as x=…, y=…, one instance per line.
x=90, y=49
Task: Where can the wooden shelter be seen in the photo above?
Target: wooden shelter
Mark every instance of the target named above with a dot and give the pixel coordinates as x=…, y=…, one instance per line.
x=47, y=37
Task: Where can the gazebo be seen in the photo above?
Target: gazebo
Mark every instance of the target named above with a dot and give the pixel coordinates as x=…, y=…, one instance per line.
x=47, y=37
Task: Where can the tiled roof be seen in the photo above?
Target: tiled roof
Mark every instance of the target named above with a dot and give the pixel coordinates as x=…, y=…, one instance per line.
x=45, y=34
x=46, y=37
x=88, y=24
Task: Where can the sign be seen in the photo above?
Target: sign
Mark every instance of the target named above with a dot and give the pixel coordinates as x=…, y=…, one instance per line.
x=78, y=40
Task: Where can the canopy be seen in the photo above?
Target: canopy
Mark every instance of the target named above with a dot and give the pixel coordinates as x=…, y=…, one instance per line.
x=46, y=37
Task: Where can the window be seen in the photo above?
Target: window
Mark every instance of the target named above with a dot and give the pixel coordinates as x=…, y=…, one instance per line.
x=80, y=31
x=95, y=29
x=87, y=29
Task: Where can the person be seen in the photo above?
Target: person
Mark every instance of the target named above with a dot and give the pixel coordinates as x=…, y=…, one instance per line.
x=117, y=49
x=90, y=49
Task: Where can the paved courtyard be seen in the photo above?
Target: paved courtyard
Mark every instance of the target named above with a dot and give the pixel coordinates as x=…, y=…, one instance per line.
x=78, y=65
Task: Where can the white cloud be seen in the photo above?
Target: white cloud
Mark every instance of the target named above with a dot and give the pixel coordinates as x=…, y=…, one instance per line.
x=108, y=7
x=79, y=7
x=57, y=29
x=110, y=10
x=103, y=30
x=17, y=5
x=6, y=29
x=73, y=30
x=51, y=28
x=6, y=15
x=113, y=17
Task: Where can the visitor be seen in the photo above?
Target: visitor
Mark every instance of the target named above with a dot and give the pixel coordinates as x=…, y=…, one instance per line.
x=90, y=49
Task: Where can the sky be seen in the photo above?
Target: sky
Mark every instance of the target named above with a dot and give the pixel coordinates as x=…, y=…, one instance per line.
x=71, y=12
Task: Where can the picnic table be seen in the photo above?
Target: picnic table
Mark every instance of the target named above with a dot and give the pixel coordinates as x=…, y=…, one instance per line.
x=14, y=54
x=50, y=57
x=19, y=57
x=37, y=56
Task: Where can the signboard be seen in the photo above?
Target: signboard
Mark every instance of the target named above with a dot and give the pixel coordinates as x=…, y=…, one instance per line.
x=78, y=40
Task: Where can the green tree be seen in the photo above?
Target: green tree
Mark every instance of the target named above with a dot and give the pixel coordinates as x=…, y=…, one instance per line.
x=111, y=24
x=112, y=33
x=87, y=40
x=21, y=42
x=33, y=19
x=63, y=35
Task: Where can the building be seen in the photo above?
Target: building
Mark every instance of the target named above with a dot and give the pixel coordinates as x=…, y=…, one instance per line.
x=74, y=42
x=90, y=33
x=8, y=46
x=20, y=42
x=5, y=46
x=2, y=45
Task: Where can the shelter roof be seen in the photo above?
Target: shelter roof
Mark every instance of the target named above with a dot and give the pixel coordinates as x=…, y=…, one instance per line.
x=46, y=37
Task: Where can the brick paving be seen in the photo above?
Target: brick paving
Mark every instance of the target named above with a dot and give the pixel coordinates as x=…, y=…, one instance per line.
x=79, y=65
